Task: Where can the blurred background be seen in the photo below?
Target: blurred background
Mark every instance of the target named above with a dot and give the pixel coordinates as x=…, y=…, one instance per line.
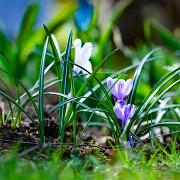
x=133, y=26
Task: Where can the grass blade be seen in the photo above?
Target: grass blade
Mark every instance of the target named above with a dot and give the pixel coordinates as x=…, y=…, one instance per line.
x=156, y=99
x=56, y=52
x=26, y=90
x=137, y=76
x=152, y=93
x=159, y=96
x=16, y=104
x=64, y=87
x=147, y=129
x=41, y=91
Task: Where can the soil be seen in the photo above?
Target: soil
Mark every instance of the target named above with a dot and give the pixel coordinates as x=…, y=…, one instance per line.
x=96, y=140
x=27, y=139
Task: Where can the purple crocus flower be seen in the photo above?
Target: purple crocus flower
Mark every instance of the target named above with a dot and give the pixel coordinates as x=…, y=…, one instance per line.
x=120, y=89
x=123, y=112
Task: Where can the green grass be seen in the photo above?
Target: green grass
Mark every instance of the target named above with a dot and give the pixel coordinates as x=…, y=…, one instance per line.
x=126, y=164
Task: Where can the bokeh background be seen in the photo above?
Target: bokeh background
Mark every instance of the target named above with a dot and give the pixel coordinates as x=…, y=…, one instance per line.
x=133, y=26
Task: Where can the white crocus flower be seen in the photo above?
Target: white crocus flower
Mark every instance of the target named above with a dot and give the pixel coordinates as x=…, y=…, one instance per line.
x=82, y=56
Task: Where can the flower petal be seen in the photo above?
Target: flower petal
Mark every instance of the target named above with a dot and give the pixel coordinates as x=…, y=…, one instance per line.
x=82, y=56
x=128, y=87
x=121, y=103
x=86, y=52
x=110, y=82
x=119, y=111
x=88, y=67
x=119, y=88
x=132, y=111
x=76, y=69
x=111, y=85
x=77, y=45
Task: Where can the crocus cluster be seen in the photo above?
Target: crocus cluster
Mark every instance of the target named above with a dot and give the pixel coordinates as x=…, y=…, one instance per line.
x=120, y=90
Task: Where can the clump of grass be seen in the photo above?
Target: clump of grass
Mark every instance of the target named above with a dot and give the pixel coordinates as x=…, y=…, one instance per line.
x=138, y=126
x=125, y=164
